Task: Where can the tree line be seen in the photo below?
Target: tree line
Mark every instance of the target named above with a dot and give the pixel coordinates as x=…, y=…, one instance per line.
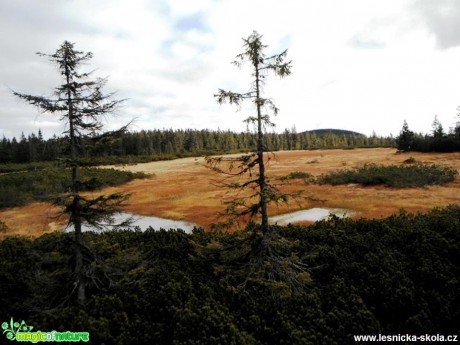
x=436, y=141
x=177, y=142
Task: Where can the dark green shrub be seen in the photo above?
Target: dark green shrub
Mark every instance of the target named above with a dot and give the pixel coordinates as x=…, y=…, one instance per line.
x=410, y=160
x=15, y=167
x=19, y=188
x=300, y=175
x=398, y=275
x=417, y=175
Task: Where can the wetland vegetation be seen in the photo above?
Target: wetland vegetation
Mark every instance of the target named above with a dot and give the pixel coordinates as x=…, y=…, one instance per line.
x=390, y=276
x=402, y=176
x=264, y=284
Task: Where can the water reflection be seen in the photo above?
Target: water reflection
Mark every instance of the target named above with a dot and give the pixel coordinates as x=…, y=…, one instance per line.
x=143, y=222
x=311, y=215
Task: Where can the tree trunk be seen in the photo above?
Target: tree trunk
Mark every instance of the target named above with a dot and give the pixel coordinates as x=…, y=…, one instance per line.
x=75, y=216
x=260, y=156
x=81, y=294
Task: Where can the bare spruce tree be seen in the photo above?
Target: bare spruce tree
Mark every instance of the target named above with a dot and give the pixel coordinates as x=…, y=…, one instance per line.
x=79, y=102
x=261, y=66
x=267, y=263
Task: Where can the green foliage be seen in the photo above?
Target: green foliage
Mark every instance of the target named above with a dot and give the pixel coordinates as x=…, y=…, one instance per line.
x=261, y=65
x=438, y=141
x=388, y=276
x=405, y=140
x=406, y=176
x=17, y=167
x=152, y=145
x=17, y=189
x=297, y=175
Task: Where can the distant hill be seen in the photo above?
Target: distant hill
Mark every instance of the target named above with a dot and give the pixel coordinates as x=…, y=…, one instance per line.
x=321, y=132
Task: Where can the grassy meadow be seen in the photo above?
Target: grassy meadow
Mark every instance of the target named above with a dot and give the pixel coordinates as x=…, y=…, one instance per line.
x=185, y=189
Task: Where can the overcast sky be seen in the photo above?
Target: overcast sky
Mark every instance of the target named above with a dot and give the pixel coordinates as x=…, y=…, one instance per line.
x=362, y=65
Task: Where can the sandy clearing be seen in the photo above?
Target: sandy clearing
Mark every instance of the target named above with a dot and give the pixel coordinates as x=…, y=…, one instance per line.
x=185, y=189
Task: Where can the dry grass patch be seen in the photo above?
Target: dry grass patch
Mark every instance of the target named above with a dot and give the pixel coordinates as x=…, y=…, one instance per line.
x=32, y=220
x=184, y=189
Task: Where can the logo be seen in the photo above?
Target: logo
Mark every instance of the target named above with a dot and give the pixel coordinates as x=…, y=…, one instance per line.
x=16, y=331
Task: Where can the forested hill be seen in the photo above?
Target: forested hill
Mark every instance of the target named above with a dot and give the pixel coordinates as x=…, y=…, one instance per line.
x=34, y=147
x=339, y=132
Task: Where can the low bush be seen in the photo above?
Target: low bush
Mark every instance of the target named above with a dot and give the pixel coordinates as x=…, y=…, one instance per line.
x=3, y=227
x=15, y=167
x=19, y=188
x=297, y=175
x=398, y=275
x=417, y=175
x=410, y=160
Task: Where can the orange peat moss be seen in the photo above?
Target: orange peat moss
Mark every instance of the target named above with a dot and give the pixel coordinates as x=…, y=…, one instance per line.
x=32, y=220
x=185, y=189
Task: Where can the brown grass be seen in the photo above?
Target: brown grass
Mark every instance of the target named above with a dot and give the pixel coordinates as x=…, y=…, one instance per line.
x=32, y=220
x=184, y=189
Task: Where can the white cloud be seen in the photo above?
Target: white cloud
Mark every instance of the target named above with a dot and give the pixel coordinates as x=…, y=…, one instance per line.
x=441, y=20
x=360, y=65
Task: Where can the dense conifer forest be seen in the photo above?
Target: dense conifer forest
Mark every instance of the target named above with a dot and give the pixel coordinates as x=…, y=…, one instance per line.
x=437, y=141
x=169, y=143
x=178, y=143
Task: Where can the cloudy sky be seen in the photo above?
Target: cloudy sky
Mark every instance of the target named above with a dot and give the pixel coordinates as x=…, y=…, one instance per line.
x=362, y=65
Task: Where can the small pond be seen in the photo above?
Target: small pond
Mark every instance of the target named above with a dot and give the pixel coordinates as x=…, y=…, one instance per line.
x=311, y=215
x=143, y=222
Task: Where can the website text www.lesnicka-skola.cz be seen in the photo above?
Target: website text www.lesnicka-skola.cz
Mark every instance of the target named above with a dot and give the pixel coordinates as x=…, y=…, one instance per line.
x=406, y=338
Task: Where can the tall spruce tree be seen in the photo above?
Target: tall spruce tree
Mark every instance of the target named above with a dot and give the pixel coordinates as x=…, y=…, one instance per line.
x=266, y=264
x=261, y=65
x=405, y=140
x=438, y=130
x=80, y=102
